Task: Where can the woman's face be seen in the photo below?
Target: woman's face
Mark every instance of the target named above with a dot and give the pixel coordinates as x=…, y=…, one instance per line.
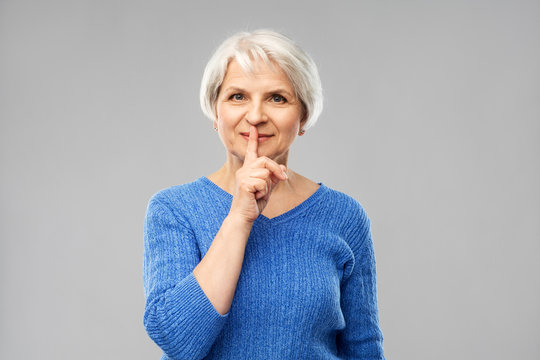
x=265, y=99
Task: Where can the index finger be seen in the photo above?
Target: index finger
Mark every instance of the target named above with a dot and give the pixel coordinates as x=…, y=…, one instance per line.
x=253, y=145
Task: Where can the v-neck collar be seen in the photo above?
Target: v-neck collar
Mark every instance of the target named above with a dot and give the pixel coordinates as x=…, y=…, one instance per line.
x=312, y=199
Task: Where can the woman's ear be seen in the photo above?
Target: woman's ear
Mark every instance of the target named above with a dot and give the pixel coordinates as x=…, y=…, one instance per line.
x=301, y=131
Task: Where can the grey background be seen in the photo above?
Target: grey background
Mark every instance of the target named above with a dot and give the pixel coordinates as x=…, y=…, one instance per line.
x=431, y=121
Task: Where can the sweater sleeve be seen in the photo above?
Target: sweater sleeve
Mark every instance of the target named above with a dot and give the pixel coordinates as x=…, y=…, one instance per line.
x=362, y=337
x=178, y=315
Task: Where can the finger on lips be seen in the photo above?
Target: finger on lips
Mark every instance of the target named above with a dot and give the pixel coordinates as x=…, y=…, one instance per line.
x=252, y=155
x=253, y=143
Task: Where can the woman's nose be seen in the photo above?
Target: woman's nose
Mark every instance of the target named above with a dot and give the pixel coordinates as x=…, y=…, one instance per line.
x=256, y=113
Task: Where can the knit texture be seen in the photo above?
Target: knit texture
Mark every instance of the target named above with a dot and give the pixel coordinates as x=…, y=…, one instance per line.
x=307, y=288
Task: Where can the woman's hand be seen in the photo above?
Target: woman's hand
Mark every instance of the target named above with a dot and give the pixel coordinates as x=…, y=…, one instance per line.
x=255, y=181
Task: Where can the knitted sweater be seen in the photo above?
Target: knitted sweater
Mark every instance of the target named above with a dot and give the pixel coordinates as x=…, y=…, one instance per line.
x=307, y=287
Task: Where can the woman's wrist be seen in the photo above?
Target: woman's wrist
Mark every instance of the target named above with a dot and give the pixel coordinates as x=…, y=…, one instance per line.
x=238, y=221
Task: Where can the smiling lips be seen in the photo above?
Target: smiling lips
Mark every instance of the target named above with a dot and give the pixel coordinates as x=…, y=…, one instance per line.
x=262, y=137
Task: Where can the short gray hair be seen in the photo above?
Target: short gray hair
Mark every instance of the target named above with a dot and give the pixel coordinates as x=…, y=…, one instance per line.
x=269, y=46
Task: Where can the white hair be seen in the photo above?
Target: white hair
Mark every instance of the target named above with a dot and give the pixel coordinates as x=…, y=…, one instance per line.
x=269, y=46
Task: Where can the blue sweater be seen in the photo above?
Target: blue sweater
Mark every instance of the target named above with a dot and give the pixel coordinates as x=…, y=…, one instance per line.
x=307, y=288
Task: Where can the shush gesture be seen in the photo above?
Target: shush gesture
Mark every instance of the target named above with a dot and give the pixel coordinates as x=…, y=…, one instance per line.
x=255, y=180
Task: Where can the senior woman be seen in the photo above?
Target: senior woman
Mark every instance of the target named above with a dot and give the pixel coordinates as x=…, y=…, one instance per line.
x=256, y=261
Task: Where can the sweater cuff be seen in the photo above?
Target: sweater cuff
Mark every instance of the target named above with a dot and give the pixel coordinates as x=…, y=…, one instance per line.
x=203, y=316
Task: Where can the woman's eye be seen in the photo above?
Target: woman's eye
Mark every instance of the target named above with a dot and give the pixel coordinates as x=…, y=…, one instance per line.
x=278, y=98
x=237, y=97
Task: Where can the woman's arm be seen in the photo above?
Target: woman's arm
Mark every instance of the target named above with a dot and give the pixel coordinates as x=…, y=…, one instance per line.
x=181, y=319
x=219, y=270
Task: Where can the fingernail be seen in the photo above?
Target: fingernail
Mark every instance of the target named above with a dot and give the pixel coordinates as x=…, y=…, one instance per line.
x=284, y=173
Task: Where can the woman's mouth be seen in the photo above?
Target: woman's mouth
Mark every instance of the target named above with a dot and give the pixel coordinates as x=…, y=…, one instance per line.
x=262, y=137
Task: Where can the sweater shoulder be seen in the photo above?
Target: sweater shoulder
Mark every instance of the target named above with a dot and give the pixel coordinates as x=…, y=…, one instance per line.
x=354, y=220
x=172, y=193
x=177, y=198
x=348, y=207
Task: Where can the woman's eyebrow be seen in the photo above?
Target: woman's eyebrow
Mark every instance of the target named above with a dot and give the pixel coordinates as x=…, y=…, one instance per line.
x=273, y=91
x=234, y=88
x=279, y=91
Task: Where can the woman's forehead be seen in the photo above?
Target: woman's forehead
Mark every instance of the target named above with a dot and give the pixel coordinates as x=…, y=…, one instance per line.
x=260, y=71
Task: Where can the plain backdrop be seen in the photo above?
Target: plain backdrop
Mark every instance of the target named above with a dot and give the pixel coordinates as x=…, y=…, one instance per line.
x=431, y=121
